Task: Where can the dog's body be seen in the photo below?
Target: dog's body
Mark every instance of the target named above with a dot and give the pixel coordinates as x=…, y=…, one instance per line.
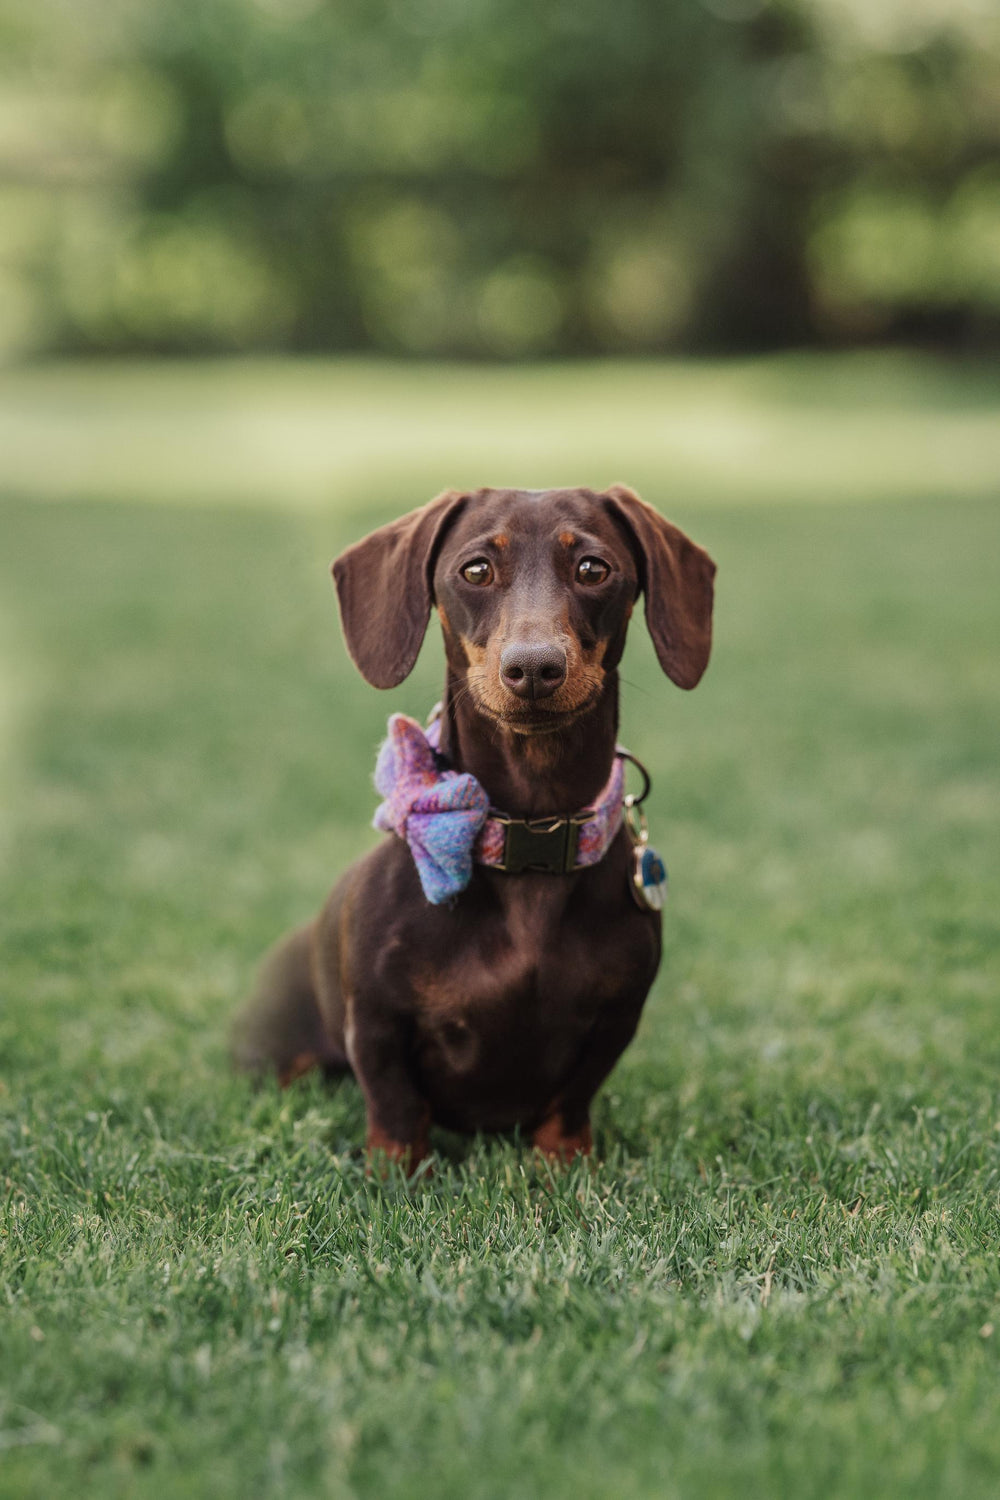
x=509, y=1005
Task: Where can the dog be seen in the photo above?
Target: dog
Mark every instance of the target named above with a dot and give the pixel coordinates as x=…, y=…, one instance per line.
x=485, y=966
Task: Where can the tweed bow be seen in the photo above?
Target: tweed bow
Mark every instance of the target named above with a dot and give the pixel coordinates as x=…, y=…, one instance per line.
x=438, y=812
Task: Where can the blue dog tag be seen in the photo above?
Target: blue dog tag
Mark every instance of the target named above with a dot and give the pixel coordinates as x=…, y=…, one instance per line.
x=649, y=878
x=649, y=873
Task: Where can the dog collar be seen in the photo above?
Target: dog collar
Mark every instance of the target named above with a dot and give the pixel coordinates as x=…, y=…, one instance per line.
x=446, y=818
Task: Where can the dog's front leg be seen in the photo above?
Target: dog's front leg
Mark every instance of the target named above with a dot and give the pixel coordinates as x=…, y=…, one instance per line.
x=565, y=1131
x=398, y=1114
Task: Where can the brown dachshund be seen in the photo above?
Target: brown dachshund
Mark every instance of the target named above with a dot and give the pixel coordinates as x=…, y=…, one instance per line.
x=507, y=1003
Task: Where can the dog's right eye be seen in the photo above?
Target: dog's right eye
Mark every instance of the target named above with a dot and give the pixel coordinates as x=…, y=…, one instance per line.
x=480, y=572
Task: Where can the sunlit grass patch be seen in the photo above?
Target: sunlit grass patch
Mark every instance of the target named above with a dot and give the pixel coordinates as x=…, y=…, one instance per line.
x=357, y=433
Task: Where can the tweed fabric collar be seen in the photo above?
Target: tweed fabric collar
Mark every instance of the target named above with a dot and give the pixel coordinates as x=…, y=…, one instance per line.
x=446, y=819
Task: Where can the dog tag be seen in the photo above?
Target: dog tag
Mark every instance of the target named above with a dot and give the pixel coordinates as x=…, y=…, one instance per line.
x=649, y=873
x=649, y=879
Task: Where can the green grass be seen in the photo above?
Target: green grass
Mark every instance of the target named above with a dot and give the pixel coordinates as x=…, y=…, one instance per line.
x=799, y=428
x=782, y=1275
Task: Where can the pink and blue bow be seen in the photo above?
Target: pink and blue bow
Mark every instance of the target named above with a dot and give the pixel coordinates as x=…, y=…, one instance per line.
x=439, y=812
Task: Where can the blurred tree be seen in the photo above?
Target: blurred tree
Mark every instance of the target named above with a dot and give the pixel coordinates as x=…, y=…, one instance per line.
x=495, y=177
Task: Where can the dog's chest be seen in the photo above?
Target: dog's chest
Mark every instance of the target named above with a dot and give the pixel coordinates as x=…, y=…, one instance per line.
x=504, y=1012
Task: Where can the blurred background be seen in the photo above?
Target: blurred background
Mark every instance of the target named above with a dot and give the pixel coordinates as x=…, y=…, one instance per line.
x=497, y=178
x=271, y=273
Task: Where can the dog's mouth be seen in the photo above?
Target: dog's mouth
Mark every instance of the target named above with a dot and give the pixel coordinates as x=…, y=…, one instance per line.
x=531, y=719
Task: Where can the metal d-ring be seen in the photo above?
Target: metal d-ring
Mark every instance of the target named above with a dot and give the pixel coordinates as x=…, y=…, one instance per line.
x=635, y=822
x=631, y=800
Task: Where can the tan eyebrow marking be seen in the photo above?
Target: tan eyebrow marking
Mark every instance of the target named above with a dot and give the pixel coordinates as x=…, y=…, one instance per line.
x=500, y=541
x=567, y=538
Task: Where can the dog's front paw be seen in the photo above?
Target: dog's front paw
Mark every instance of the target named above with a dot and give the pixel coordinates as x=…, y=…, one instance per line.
x=559, y=1142
x=383, y=1149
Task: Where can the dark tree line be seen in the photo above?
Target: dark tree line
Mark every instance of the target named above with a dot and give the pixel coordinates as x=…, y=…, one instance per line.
x=498, y=177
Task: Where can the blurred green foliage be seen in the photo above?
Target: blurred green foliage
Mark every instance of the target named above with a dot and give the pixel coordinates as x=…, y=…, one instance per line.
x=497, y=177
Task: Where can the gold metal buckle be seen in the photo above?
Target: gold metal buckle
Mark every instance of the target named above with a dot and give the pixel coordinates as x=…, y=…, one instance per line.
x=547, y=845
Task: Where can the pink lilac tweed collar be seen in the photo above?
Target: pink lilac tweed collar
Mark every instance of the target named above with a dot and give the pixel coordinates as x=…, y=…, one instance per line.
x=446, y=818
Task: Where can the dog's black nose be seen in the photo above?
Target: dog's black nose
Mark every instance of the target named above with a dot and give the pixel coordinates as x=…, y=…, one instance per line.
x=532, y=671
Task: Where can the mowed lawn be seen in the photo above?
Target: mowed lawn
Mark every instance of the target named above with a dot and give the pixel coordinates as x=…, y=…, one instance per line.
x=781, y=1275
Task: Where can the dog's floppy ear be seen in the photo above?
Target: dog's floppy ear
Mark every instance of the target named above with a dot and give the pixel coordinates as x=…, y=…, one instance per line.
x=384, y=590
x=676, y=578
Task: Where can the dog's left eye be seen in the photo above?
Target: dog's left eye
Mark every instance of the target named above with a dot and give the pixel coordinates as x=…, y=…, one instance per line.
x=480, y=571
x=591, y=570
